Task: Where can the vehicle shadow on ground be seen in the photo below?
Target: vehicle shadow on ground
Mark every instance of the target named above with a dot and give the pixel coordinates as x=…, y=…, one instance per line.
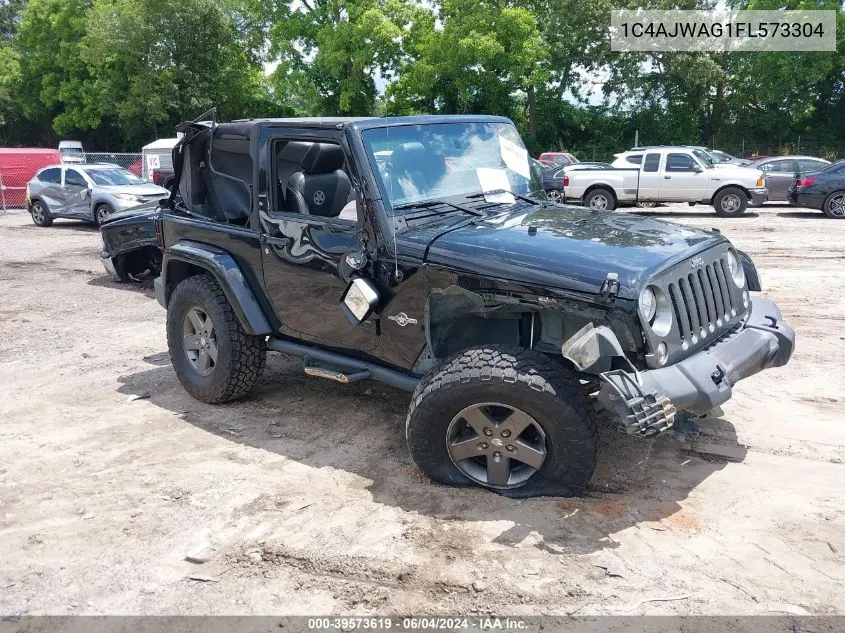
x=72, y=225
x=359, y=428
x=144, y=286
x=675, y=213
x=810, y=213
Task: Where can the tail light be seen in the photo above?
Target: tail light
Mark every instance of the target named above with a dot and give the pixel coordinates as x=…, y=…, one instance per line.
x=806, y=181
x=566, y=181
x=159, y=225
x=155, y=176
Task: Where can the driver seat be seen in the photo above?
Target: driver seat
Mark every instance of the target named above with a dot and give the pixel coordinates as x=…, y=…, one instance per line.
x=322, y=187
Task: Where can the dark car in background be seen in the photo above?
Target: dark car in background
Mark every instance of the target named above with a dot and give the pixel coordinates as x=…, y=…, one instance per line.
x=554, y=176
x=823, y=190
x=781, y=171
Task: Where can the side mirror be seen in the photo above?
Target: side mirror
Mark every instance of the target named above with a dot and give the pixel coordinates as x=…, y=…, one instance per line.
x=697, y=169
x=359, y=300
x=85, y=193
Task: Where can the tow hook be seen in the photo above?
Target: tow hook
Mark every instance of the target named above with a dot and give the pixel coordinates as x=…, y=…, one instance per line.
x=718, y=376
x=774, y=322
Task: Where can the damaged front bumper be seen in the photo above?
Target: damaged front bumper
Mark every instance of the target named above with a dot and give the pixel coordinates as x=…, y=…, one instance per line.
x=645, y=402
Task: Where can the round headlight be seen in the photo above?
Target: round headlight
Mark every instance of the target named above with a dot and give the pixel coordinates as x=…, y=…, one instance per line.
x=648, y=304
x=736, y=269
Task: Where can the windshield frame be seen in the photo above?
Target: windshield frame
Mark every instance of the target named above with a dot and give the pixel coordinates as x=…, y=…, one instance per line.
x=535, y=185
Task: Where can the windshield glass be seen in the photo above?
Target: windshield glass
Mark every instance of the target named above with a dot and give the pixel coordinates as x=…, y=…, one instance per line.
x=114, y=176
x=704, y=157
x=76, y=151
x=419, y=163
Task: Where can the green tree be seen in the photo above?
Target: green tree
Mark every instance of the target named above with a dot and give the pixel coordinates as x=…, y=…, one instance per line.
x=330, y=53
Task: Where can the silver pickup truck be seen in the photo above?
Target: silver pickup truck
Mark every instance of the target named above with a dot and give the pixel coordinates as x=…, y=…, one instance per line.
x=670, y=174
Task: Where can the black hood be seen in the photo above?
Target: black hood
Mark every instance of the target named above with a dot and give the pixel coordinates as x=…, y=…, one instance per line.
x=562, y=247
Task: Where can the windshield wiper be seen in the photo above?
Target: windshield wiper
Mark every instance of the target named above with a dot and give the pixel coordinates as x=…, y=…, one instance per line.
x=426, y=204
x=494, y=192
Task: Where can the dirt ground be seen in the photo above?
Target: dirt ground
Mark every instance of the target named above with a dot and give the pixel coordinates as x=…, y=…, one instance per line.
x=304, y=500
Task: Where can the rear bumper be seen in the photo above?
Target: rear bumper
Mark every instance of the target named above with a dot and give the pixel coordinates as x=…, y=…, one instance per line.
x=811, y=200
x=758, y=196
x=646, y=402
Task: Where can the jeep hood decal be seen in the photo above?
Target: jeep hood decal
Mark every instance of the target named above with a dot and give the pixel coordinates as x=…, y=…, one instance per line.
x=563, y=247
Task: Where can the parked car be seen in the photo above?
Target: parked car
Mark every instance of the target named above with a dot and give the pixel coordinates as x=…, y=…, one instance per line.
x=72, y=152
x=558, y=158
x=504, y=313
x=162, y=177
x=130, y=247
x=824, y=189
x=17, y=167
x=86, y=192
x=669, y=174
x=781, y=171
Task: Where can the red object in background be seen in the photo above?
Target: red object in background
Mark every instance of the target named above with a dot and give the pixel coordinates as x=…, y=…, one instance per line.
x=806, y=181
x=17, y=167
x=136, y=168
x=558, y=158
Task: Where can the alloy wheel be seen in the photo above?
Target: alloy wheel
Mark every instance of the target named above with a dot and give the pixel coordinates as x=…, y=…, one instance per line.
x=730, y=203
x=599, y=203
x=837, y=205
x=554, y=195
x=37, y=213
x=102, y=214
x=199, y=341
x=496, y=445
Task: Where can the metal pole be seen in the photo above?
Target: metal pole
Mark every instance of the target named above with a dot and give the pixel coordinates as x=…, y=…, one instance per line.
x=3, y=193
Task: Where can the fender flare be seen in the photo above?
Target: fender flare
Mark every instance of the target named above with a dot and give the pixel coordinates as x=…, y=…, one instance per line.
x=735, y=185
x=229, y=277
x=751, y=274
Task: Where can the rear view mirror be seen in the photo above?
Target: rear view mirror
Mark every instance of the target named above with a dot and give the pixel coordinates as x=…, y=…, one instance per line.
x=359, y=300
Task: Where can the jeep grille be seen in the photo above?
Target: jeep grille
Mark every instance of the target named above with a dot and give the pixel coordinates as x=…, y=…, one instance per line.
x=705, y=301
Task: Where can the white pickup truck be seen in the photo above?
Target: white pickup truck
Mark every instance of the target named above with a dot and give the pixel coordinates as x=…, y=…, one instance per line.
x=669, y=174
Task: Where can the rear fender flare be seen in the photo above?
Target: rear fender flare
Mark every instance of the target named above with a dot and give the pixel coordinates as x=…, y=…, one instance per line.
x=229, y=277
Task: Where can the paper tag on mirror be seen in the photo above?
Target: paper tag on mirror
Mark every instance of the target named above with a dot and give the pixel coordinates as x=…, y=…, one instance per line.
x=515, y=157
x=495, y=185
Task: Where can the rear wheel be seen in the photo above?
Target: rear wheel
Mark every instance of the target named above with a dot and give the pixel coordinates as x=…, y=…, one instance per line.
x=554, y=195
x=834, y=205
x=505, y=418
x=600, y=200
x=215, y=360
x=40, y=215
x=730, y=202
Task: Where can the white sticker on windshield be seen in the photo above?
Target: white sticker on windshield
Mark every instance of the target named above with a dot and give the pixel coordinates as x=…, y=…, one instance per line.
x=494, y=184
x=515, y=157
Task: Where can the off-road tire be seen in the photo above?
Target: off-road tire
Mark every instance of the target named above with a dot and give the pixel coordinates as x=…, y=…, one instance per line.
x=723, y=195
x=598, y=193
x=528, y=380
x=47, y=219
x=828, y=205
x=240, y=356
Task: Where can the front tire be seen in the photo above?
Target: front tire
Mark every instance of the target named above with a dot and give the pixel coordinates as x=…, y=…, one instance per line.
x=834, y=205
x=40, y=214
x=600, y=200
x=102, y=213
x=505, y=418
x=214, y=359
x=730, y=202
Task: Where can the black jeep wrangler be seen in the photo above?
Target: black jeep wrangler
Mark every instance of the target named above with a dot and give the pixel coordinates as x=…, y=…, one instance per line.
x=422, y=252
